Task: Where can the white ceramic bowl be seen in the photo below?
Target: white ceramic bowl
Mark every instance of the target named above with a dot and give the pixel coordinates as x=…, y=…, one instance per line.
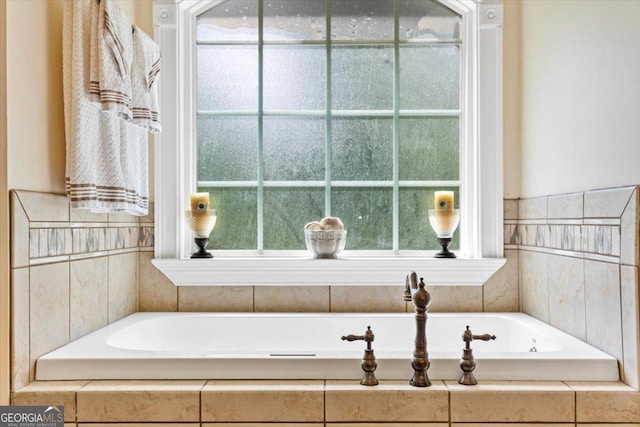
x=325, y=243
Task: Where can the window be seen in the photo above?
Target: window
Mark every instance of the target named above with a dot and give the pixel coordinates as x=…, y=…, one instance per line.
x=369, y=155
x=306, y=113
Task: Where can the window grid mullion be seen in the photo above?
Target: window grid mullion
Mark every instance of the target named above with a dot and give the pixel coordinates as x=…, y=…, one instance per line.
x=333, y=113
x=396, y=132
x=328, y=116
x=334, y=184
x=260, y=166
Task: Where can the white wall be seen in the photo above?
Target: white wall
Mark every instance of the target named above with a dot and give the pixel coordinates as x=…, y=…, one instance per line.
x=580, y=95
x=512, y=94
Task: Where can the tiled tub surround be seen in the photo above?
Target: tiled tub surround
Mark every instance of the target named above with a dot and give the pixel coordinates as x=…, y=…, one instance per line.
x=336, y=403
x=72, y=272
x=578, y=267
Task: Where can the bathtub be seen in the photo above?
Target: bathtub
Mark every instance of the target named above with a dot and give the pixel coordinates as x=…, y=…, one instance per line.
x=308, y=346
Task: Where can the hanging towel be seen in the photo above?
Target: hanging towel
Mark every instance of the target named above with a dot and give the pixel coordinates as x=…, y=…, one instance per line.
x=111, y=58
x=107, y=158
x=144, y=75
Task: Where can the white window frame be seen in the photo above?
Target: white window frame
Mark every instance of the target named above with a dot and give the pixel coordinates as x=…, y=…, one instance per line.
x=481, y=171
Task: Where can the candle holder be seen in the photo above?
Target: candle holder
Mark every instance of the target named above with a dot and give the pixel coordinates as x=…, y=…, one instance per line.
x=201, y=225
x=444, y=223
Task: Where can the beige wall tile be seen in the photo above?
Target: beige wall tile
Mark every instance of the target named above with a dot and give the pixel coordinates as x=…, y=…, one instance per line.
x=262, y=424
x=373, y=299
x=566, y=206
x=454, y=299
x=603, y=311
x=390, y=401
x=157, y=293
x=19, y=233
x=20, y=359
x=513, y=425
x=131, y=401
x=510, y=209
x=45, y=206
x=629, y=239
x=608, y=425
x=49, y=308
x=534, y=208
x=566, y=295
x=630, y=297
x=501, y=291
x=139, y=425
x=606, y=402
x=534, y=286
x=258, y=401
x=387, y=425
x=89, y=302
x=123, y=285
x=123, y=217
x=607, y=203
x=291, y=298
x=85, y=215
x=505, y=401
x=215, y=298
x=59, y=393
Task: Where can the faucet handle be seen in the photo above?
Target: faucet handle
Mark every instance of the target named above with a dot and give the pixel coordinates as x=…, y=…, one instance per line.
x=368, y=337
x=467, y=362
x=369, y=364
x=467, y=336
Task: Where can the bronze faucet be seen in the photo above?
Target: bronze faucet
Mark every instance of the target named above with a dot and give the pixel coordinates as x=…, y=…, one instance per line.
x=467, y=362
x=369, y=364
x=416, y=292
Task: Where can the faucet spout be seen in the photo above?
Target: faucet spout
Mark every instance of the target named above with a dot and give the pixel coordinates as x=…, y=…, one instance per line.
x=410, y=286
x=421, y=299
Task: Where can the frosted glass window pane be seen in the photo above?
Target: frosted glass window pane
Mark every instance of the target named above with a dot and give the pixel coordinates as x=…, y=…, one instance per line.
x=286, y=211
x=237, y=224
x=427, y=20
x=430, y=77
x=429, y=149
x=230, y=20
x=362, y=20
x=227, y=78
x=293, y=148
x=227, y=148
x=300, y=20
x=362, y=149
x=366, y=214
x=415, y=232
x=294, y=77
x=362, y=77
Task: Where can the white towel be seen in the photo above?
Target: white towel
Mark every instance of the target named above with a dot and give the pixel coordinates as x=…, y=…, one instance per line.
x=107, y=158
x=144, y=75
x=111, y=58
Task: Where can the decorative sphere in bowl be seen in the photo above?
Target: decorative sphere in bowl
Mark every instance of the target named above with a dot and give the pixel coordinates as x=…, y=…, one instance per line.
x=325, y=243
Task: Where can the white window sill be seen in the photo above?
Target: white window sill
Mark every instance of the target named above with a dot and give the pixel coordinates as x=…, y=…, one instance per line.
x=344, y=271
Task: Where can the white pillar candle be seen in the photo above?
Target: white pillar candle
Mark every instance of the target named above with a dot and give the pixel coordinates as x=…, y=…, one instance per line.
x=443, y=202
x=199, y=203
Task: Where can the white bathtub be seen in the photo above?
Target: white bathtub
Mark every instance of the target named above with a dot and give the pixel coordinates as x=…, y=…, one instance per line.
x=308, y=346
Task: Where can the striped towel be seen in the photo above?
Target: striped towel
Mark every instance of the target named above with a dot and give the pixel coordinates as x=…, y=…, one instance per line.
x=111, y=58
x=107, y=158
x=144, y=76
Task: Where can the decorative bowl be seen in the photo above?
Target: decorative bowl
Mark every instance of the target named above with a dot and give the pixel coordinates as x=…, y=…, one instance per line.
x=325, y=243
